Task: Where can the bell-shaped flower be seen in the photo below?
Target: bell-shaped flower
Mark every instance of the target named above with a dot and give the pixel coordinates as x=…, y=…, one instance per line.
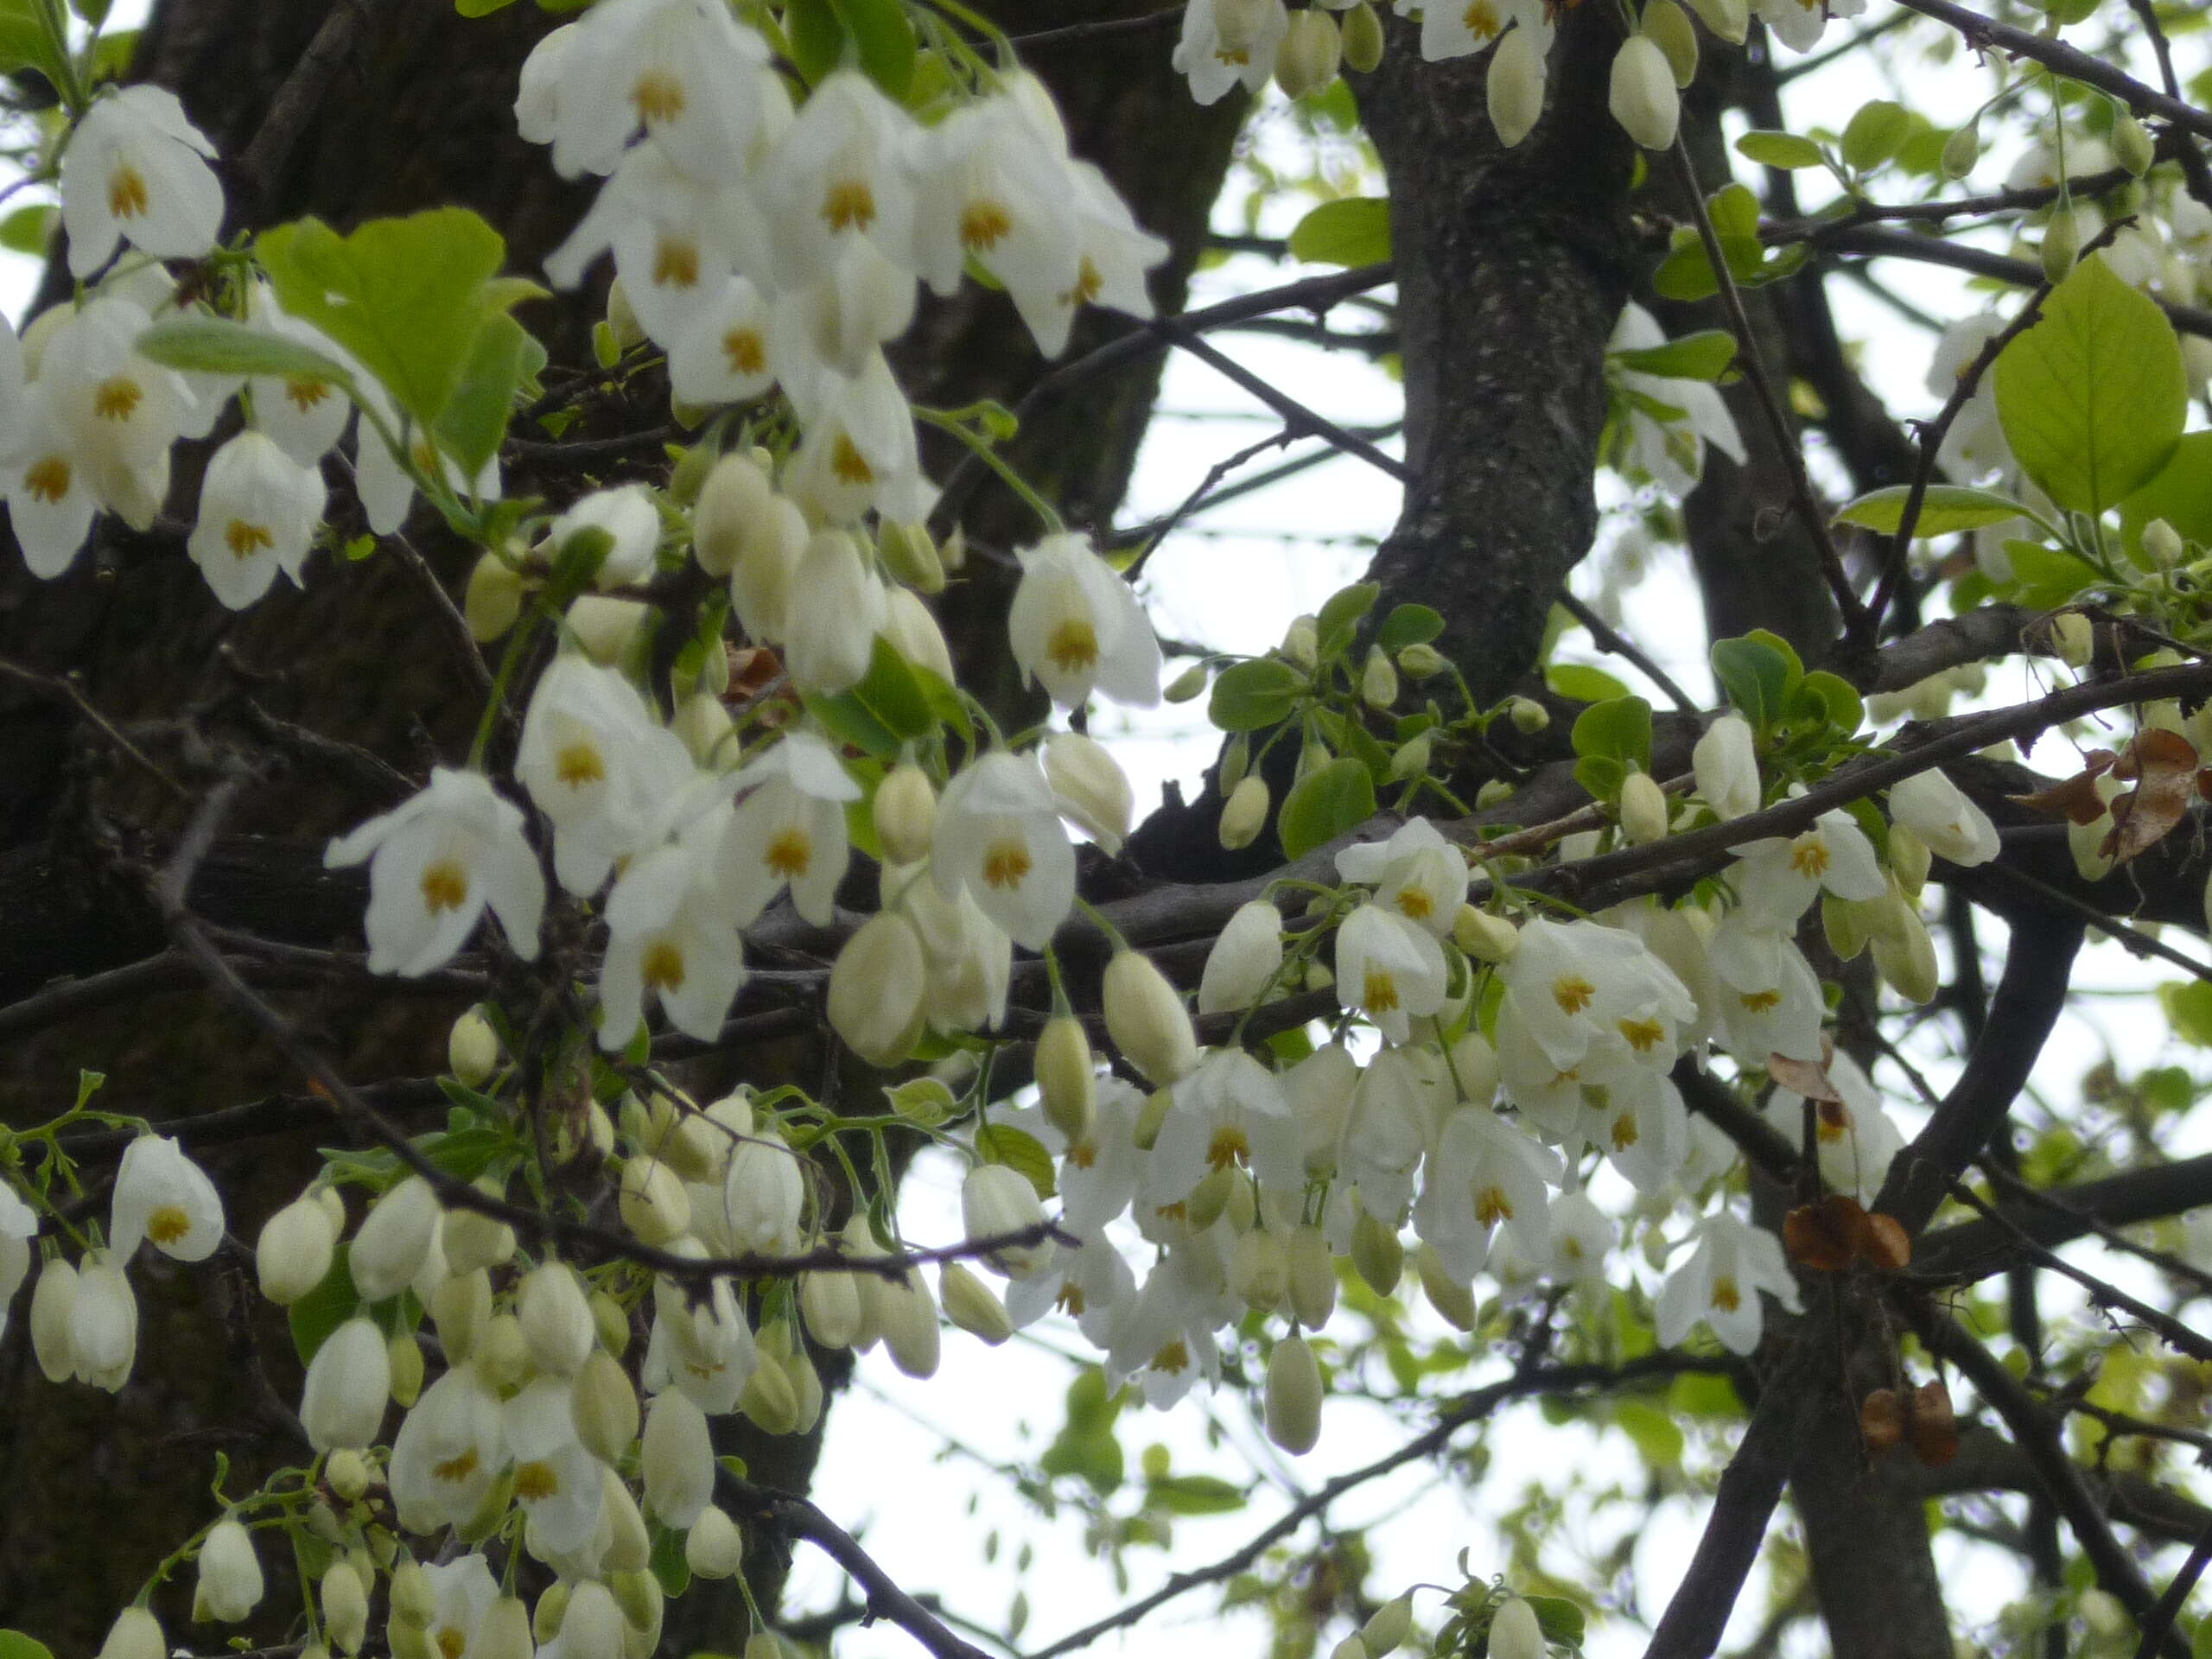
x=844, y=169
x=1416, y=873
x=1228, y=42
x=1244, y=960
x=436, y=861
x=1229, y=1114
x=858, y=453
x=669, y=934
x=1485, y=1174
x=1572, y=981
x=1089, y=1282
x=1461, y=26
x=50, y=499
x=162, y=1195
x=136, y=170
x=704, y=1347
x=1856, y=1139
x=678, y=237
x=103, y=1322
x=1582, y=1235
x=1720, y=1285
x=557, y=1482
x=836, y=608
x=461, y=1592
x=304, y=414
x=998, y=837
x=381, y=478
x=230, y=1582
x=1113, y=256
x=348, y=1386
x=1389, y=969
x=1800, y=22
x=764, y=1199
x=395, y=1239
x=1076, y=627
x=825, y=336
x=1646, y=1130
x=970, y=958
x=1769, y=998
x=1726, y=767
x=118, y=413
x=598, y=767
x=1396, y=1109
x=685, y=70
x=626, y=517
x=1099, y=1173
x=449, y=1450
x=18, y=1225
x=1092, y=789
x=677, y=1460
x=878, y=990
x=1165, y=1339
x=258, y=513
x=1933, y=807
x=788, y=830
x=721, y=353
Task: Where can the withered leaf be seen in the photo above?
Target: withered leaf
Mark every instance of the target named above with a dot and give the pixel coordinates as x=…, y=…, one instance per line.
x=1887, y=1245
x=1827, y=1236
x=1881, y=1420
x=1803, y=1077
x=1931, y=1425
x=2077, y=798
x=2165, y=763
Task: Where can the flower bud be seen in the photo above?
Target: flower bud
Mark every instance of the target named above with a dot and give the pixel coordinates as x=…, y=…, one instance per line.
x=830, y=1304
x=996, y=1199
x=502, y=1356
x=1413, y=757
x=2061, y=246
x=1643, y=809
x=877, y=989
x=1388, y=1626
x=769, y=1399
x=293, y=1255
x=709, y=735
x=2132, y=146
x=1259, y=1270
x=557, y=1322
x=604, y=1406
x=1244, y=960
x=229, y=1574
x=714, y=1548
x=103, y=1323
x=1905, y=958
x=910, y=555
x=473, y=1049
x=1187, y=684
x=905, y=813
x=54, y=1301
x=474, y=1240
x=1453, y=1302
x=606, y=627
x=1067, y=1076
x=348, y=1473
x=2163, y=543
x=1528, y=717
x=1363, y=39
x=1294, y=1407
x=972, y=1305
x=1091, y=787
x=1146, y=1019
x=1514, y=1631
x=136, y=1634
x=394, y=1238
x=1306, y=61
x=677, y=1460
x=1244, y=814
x=1513, y=89
x=1484, y=936
x=1730, y=19
x=348, y=1385
x=1961, y=151
x=1145, y=1132
x=1419, y=662
x=1301, y=643
x=503, y=1632
x=403, y=1358
x=1909, y=859
x=1312, y=1277
x=630, y=1547
x=908, y=1318
x=1642, y=94
x=1378, y=680
x=1352, y=1647
x=654, y=1205
x=1668, y=27
x=492, y=601
x=345, y=1607
x=1378, y=1254
x=2073, y=636
x=1725, y=765
x=732, y=501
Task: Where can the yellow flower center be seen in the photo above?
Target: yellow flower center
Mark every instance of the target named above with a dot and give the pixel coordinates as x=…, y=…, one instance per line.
x=47, y=478
x=536, y=1480
x=168, y=1223
x=848, y=205
x=1760, y=1002
x=848, y=464
x=662, y=969
x=1073, y=645
x=445, y=887
x=1644, y=1035
x=1006, y=863
x=1235, y=56
x=1228, y=1147
x=747, y=353
x=658, y=96
x=1087, y=279
x=1083, y=1153
x=1175, y=1356
x=303, y=394
x=1492, y=1206
x=1070, y=1300
x=790, y=853
x=1482, y=20
x=1809, y=856
x=1379, y=993
x=1624, y=1131
x=126, y=191
x=1415, y=904
x=457, y=1468
x=452, y=1643
x=1572, y=993
x=984, y=224
x=579, y=763
x=117, y=398
x=1726, y=1296
x=676, y=264
x=245, y=539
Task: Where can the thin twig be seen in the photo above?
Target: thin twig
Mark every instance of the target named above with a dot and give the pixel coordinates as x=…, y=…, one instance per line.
x=301, y=96
x=2160, y=1619
x=1611, y=639
x=62, y=689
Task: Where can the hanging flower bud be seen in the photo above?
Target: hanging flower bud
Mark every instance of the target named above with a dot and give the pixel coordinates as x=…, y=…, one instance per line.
x=394, y=1238
x=472, y=1239
x=972, y=1305
x=229, y=1574
x=54, y=1303
x=877, y=988
x=996, y=1199
x=460, y=1308
x=1363, y=39
x=103, y=1323
x=909, y=1324
x=1725, y=764
x=714, y=1548
x=1312, y=1277
x=473, y=1049
x=1294, y=1407
x=1378, y=680
x=905, y=813
x=1513, y=87
x=404, y=1355
x=1388, y=1626
x=1528, y=717
x=1643, y=809
x=1378, y=1252
x=557, y=1321
x=1515, y=1633
x=1147, y=1020
x=1642, y=95
x=1961, y=151
x=345, y=1607
x=1244, y=961
x=1067, y=1076
x=1306, y=61
x=1483, y=935
x=136, y=1634
x=1090, y=788
x=2061, y=246
x=653, y=1203
x=604, y=1406
x=1668, y=27
x=1245, y=813
x=2132, y=146
x=294, y=1253
x=677, y=1460
x=1905, y=958
x=348, y=1385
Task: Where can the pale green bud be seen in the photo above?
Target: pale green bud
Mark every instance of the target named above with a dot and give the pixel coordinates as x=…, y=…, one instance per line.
x=345, y=1607
x=1378, y=1254
x=1245, y=813
x=1067, y=1076
x=472, y=1049
x=503, y=1632
x=611, y=1321
x=769, y=1399
x=347, y=1471
x=1294, y=1401
x=460, y=1307
x=1483, y=935
x=910, y=556
x=1146, y=1018
x=2163, y=543
x=1190, y=683
x=492, y=601
x=502, y=1357
x=905, y=810
x=654, y=1205
x=1643, y=809
x=2132, y=146
x=1361, y=32
x=406, y=1356
x=1730, y=19
x=1909, y=858
x=1514, y=1631
x=622, y=320
x=1210, y=1197
x=1306, y=61
x=714, y=1548
x=1412, y=759
x=605, y=1406
x=1453, y=1302
x=1378, y=680
x=971, y=1305
x=1301, y=643
x=1419, y=662
x=1312, y=1277
x=2061, y=246
x=1388, y=1626
x=1961, y=151
x=1528, y=717
x=1259, y=1269
x=414, y=1599
x=1668, y=27
x=1151, y=1117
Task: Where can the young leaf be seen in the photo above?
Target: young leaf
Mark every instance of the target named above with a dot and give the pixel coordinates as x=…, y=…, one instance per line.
x=1353, y=232
x=218, y=346
x=1250, y=695
x=1704, y=355
x=1945, y=510
x=1324, y=804
x=1787, y=150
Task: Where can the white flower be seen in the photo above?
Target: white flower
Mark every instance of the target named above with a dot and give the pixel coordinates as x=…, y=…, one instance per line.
x=1454, y=29
x=844, y=169
x=998, y=837
x=18, y=1224
x=685, y=70
x=117, y=414
x=1226, y=41
x=50, y=500
x=631, y=525
x=836, y=608
x=462, y=1592
x=670, y=933
x=434, y=862
x=1855, y=1138
x=789, y=829
x=1930, y=805
x=763, y=1198
x=1582, y=1235
x=1671, y=451
x=1572, y=983
x=1642, y=97
x=996, y=1199
x=823, y=336
x=878, y=987
x=448, y=1451
x=1778, y=878
x=859, y=453
x=1416, y=873
x=721, y=354
x=103, y=1321
x=1229, y=1114
x=1513, y=86
x=136, y=170
x=162, y=1195
x=304, y=414
x=258, y=511
x=678, y=1461
x=1076, y=627
x=599, y=767
x=348, y=1385
x=1397, y=1109
x=1720, y=1285
x=395, y=1239
x=1093, y=791
x=381, y=479
x=230, y=1583
x=1244, y=960
x=1799, y=22
x=1769, y=998
x=1485, y=1174
x=1389, y=969
x=678, y=239
x=557, y=1482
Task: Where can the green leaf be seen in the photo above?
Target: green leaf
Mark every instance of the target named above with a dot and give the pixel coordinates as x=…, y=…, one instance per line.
x=14, y=1645
x=485, y=9
x=1583, y=682
x=1355, y=231
x=1658, y=1437
x=323, y=1309
x=1020, y=1151
x=217, y=345
x=2044, y=578
x=1559, y=1619
x=2092, y=396
x=2188, y=1003
x=406, y=296
x=927, y=1101
x=25, y=42
x=474, y=423
x=114, y=52
x=1784, y=149
x=1194, y=1495
x=884, y=40
x=886, y=709
x=1828, y=698
x=816, y=38
x=1734, y=212
x=1704, y=355
x=1251, y=695
x=1408, y=625
x=2181, y=493
x=1619, y=728
x=1944, y=510
x=28, y=230
x=1755, y=676
x=1874, y=133
x=1324, y=804
x=1342, y=614
x=669, y=1563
